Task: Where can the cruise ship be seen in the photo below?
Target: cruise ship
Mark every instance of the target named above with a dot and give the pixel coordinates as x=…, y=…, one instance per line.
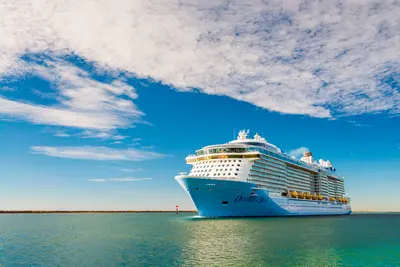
x=252, y=177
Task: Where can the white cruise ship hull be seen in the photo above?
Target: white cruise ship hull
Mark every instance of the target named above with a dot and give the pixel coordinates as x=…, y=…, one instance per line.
x=228, y=198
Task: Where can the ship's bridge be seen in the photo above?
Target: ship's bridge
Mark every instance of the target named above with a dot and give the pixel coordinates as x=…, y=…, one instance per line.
x=256, y=141
x=241, y=145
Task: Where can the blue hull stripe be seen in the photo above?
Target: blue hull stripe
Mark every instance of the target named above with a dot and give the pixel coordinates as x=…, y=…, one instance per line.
x=224, y=198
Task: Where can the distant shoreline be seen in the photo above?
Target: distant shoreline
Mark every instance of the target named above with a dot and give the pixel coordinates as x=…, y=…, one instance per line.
x=93, y=211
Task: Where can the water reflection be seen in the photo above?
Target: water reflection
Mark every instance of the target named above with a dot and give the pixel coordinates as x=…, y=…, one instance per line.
x=260, y=242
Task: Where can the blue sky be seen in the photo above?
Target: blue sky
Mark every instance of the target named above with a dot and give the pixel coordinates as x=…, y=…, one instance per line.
x=100, y=114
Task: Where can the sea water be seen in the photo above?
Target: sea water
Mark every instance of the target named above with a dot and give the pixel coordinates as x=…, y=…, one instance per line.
x=168, y=239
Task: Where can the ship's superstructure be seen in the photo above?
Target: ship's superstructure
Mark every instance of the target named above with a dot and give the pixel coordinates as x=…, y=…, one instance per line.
x=276, y=183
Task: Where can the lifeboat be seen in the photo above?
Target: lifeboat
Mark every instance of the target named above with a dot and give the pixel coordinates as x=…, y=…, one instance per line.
x=332, y=199
x=301, y=195
x=293, y=194
x=314, y=197
x=320, y=197
x=307, y=195
x=340, y=200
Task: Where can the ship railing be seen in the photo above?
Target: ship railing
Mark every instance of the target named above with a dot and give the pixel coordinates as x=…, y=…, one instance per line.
x=214, y=178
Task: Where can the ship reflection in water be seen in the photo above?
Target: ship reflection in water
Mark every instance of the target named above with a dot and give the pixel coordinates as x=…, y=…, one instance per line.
x=255, y=241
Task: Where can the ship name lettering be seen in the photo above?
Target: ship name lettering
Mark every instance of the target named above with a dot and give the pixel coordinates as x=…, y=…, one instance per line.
x=241, y=198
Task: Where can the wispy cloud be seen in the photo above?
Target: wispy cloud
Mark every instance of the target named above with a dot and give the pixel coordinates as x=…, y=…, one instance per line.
x=61, y=134
x=81, y=101
x=124, y=179
x=102, y=135
x=298, y=152
x=323, y=59
x=357, y=124
x=97, y=180
x=96, y=153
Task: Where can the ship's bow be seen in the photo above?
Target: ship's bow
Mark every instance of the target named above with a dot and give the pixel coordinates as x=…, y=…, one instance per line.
x=225, y=198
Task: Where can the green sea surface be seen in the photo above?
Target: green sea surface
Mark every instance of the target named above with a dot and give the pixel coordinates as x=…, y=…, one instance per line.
x=168, y=239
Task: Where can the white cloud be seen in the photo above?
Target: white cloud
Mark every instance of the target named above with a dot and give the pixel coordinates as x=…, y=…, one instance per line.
x=124, y=179
x=82, y=101
x=357, y=124
x=298, y=152
x=117, y=142
x=298, y=57
x=62, y=134
x=96, y=153
x=97, y=180
x=102, y=135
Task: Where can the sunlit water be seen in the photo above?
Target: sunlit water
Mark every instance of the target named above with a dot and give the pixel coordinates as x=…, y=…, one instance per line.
x=167, y=239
